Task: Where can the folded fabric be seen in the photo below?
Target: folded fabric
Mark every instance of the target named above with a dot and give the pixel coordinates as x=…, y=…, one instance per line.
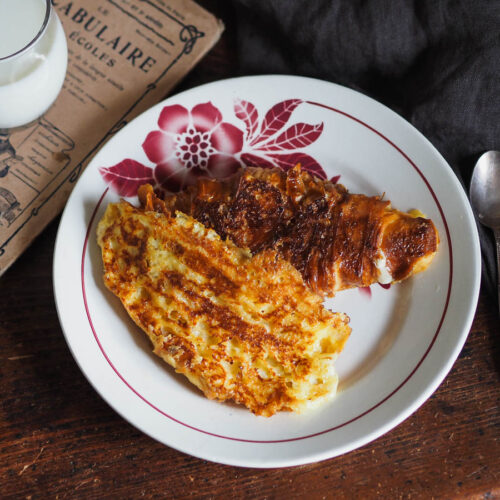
x=435, y=62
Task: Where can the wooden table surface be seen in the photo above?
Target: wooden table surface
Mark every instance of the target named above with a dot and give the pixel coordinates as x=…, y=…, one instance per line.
x=59, y=439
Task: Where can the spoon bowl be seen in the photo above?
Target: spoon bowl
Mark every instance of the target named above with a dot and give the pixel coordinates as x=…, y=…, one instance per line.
x=485, y=197
x=485, y=189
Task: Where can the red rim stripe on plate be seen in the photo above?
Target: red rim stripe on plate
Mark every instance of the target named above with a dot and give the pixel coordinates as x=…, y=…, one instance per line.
x=369, y=410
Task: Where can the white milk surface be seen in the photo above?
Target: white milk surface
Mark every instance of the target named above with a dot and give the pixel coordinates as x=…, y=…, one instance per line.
x=30, y=81
x=20, y=22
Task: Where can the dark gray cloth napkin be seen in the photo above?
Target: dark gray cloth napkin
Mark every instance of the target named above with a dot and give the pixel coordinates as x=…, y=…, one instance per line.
x=435, y=62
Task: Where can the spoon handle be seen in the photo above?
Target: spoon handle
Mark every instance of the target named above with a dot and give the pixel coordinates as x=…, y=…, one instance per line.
x=497, y=239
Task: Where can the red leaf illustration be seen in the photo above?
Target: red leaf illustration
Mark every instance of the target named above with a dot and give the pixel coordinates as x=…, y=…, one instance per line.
x=297, y=136
x=276, y=118
x=247, y=112
x=126, y=177
x=386, y=286
x=308, y=163
x=335, y=179
x=251, y=160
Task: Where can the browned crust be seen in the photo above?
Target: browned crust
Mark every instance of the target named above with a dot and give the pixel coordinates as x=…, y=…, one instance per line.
x=199, y=283
x=331, y=236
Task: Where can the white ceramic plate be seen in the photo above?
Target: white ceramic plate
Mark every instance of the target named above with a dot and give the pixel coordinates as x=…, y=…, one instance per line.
x=404, y=339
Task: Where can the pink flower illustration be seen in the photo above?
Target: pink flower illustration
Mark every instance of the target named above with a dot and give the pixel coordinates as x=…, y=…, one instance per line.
x=192, y=143
x=198, y=143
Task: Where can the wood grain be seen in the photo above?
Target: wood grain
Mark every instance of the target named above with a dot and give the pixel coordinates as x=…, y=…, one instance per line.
x=59, y=439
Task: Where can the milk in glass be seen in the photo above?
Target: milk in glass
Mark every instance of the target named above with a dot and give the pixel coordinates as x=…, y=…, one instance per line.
x=33, y=60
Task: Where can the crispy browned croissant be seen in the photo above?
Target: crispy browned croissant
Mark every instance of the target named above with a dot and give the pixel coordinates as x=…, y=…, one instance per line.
x=336, y=239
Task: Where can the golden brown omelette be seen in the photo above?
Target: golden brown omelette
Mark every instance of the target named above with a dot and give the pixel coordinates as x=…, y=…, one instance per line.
x=336, y=239
x=240, y=327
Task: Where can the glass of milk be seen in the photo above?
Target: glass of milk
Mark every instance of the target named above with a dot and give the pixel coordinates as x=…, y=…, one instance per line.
x=33, y=60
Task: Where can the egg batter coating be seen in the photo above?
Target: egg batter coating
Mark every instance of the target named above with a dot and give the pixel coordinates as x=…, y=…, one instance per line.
x=240, y=327
x=336, y=239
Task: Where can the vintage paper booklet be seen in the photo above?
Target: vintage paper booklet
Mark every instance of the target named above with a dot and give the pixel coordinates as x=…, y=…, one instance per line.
x=123, y=57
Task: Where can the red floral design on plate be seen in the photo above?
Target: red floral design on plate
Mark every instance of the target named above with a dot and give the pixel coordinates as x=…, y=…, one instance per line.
x=125, y=177
x=272, y=147
x=199, y=143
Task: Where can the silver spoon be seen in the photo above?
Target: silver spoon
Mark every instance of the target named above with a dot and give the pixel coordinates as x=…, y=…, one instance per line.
x=485, y=197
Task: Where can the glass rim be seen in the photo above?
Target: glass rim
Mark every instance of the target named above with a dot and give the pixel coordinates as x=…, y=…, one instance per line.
x=37, y=37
